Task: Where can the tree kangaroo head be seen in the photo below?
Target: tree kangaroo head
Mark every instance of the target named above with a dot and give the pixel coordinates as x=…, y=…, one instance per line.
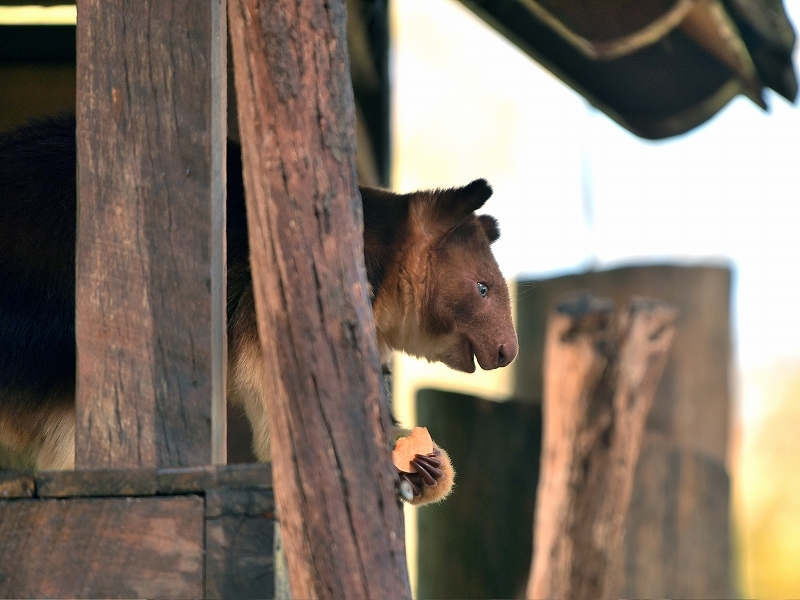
x=445, y=299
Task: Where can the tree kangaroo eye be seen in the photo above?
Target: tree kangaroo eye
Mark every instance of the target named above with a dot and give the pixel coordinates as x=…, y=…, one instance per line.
x=483, y=290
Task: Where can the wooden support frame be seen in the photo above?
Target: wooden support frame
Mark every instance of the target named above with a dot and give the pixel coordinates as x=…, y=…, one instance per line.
x=150, y=321
x=200, y=532
x=330, y=425
x=147, y=513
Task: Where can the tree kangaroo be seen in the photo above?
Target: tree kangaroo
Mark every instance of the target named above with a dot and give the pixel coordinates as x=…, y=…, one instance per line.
x=437, y=293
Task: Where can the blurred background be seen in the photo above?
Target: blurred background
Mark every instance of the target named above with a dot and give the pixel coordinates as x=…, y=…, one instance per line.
x=575, y=191
x=445, y=99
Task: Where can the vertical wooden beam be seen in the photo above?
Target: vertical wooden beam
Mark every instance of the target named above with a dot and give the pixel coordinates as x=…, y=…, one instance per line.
x=334, y=482
x=150, y=320
x=218, y=123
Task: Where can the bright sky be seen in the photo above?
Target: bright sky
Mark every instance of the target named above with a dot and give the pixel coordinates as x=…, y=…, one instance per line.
x=468, y=104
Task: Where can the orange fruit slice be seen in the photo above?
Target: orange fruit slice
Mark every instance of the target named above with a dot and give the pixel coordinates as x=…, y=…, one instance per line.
x=406, y=448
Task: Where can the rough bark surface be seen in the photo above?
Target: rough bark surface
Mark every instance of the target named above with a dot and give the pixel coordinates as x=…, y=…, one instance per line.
x=150, y=318
x=334, y=482
x=669, y=554
x=600, y=376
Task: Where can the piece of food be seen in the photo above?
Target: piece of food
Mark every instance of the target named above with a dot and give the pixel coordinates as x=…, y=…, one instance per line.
x=406, y=448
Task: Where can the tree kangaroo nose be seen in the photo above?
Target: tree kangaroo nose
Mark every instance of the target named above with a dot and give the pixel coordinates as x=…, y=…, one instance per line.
x=505, y=354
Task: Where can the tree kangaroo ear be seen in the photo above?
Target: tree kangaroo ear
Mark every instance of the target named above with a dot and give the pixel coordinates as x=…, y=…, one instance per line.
x=438, y=211
x=491, y=227
x=457, y=203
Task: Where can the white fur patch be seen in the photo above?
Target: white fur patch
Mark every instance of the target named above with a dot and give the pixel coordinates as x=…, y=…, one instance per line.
x=247, y=387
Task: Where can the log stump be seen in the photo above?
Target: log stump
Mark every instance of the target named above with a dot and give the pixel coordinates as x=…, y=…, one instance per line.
x=601, y=370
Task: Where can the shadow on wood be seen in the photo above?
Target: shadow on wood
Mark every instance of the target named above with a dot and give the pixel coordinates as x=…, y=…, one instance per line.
x=477, y=543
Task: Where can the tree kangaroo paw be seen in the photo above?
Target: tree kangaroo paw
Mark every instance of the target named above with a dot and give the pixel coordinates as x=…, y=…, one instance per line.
x=434, y=478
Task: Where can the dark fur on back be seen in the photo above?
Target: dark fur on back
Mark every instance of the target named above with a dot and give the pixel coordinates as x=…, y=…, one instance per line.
x=38, y=194
x=37, y=257
x=382, y=212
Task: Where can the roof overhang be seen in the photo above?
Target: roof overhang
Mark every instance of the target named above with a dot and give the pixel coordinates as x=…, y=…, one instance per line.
x=657, y=67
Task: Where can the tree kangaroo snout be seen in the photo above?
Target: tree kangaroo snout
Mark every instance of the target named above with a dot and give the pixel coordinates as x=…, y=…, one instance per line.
x=437, y=293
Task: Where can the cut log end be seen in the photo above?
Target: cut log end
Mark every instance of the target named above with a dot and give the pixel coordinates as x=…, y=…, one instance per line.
x=585, y=313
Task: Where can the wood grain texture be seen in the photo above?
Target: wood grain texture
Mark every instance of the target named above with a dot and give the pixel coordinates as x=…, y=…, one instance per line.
x=102, y=547
x=150, y=320
x=14, y=484
x=239, y=544
x=335, y=485
x=140, y=482
x=97, y=482
x=601, y=372
x=250, y=476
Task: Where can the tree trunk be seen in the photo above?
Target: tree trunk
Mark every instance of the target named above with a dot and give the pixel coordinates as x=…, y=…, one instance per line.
x=601, y=374
x=334, y=481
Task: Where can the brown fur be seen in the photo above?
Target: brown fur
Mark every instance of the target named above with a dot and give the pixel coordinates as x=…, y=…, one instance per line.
x=428, y=304
x=425, y=254
x=427, y=257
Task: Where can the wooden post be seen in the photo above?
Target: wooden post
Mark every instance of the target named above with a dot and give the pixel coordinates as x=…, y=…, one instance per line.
x=677, y=541
x=481, y=536
x=334, y=481
x=601, y=375
x=150, y=320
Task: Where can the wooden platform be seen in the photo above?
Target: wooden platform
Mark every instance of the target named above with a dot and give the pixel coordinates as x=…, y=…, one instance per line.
x=204, y=532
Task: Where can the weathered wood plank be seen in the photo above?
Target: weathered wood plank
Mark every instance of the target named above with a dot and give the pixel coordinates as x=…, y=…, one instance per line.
x=186, y=480
x=150, y=320
x=245, y=476
x=335, y=485
x=97, y=482
x=601, y=372
x=250, y=503
x=239, y=544
x=254, y=476
x=14, y=484
x=102, y=547
x=141, y=482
